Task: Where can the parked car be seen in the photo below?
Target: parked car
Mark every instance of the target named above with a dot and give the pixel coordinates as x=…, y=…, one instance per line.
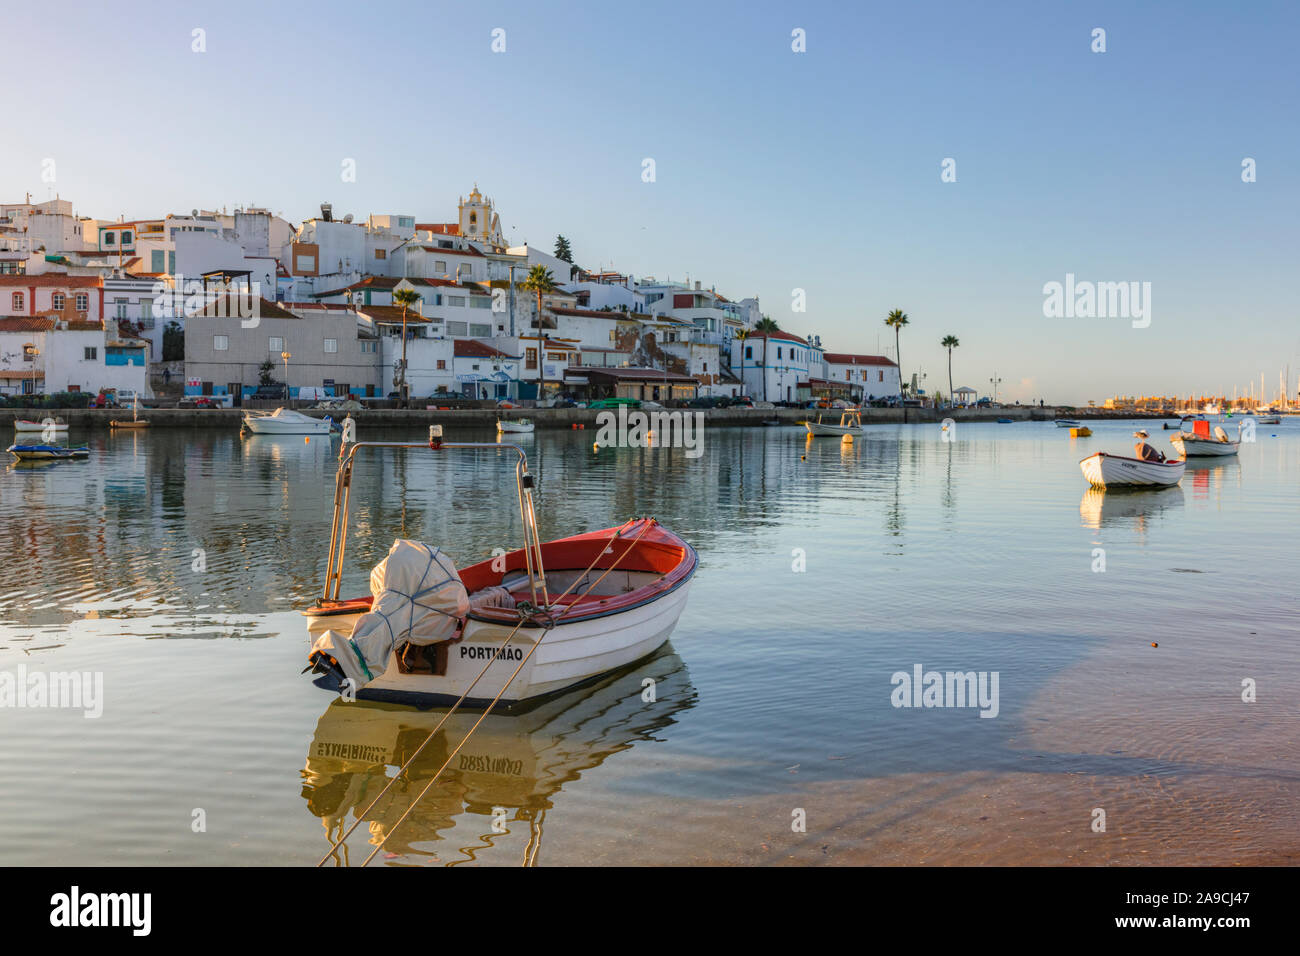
x=199, y=401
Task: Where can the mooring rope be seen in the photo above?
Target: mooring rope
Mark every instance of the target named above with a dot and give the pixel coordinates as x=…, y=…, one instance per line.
x=536, y=644
x=523, y=619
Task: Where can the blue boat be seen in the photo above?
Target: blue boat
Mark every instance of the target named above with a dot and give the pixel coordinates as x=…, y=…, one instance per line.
x=48, y=452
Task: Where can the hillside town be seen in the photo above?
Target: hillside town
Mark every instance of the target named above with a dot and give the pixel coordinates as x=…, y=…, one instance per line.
x=226, y=306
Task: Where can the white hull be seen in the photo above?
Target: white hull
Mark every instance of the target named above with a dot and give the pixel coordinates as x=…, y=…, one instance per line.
x=286, y=422
x=515, y=428
x=1114, y=471
x=22, y=425
x=1066, y=423
x=832, y=431
x=1204, y=448
x=569, y=654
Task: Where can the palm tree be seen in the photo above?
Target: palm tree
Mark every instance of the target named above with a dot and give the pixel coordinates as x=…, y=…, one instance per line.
x=950, y=342
x=540, y=281
x=896, y=320
x=766, y=324
x=405, y=298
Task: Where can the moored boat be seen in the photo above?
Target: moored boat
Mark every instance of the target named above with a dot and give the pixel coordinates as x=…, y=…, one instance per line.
x=1081, y=431
x=850, y=424
x=286, y=421
x=526, y=624
x=1104, y=470
x=1066, y=423
x=516, y=426
x=45, y=424
x=48, y=452
x=133, y=422
x=1200, y=443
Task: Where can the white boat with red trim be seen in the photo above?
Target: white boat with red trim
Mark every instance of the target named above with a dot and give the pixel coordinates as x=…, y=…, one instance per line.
x=533, y=622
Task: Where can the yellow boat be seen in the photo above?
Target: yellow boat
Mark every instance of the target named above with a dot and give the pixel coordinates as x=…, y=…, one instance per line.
x=1082, y=431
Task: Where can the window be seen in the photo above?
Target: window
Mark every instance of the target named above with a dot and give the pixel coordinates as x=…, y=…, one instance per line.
x=146, y=313
x=458, y=300
x=29, y=352
x=91, y=353
x=220, y=343
x=442, y=365
x=555, y=356
x=749, y=351
x=331, y=345
x=706, y=366
x=381, y=253
x=110, y=238
x=439, y=265
x=83, y=302
x=368, y=347
x=119, y=308
x=530, y=358
x=480, y=331
x=171, y=262
x=881, y=376
x=275, y=344
x=778, y=353
x=18, y=301
x=157, y=261
x=126, y=238
x=474, y=367
x=457, y=328
x=437, y=300
x=480, y=302
x=56, y=301
x=306, y=264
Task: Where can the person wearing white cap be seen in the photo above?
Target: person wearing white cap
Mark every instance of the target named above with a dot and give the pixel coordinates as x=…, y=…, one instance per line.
x=1144, y=451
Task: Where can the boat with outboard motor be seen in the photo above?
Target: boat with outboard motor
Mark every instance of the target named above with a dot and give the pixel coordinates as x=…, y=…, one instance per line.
x=48, y=452
x=527, y=623
x=1199, y=442
x=850, y=424
x=286, y=421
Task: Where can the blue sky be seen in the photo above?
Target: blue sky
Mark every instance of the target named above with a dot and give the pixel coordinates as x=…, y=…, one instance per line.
x=775, y=170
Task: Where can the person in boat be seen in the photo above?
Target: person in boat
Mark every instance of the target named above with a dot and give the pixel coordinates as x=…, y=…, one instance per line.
x=1144, y=451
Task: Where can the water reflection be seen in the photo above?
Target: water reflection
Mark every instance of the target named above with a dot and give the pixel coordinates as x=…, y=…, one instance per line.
x=1101, y=508
x=514, y=765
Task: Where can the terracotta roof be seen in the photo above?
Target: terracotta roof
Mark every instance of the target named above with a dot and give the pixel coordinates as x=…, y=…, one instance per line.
x=443, y=228
x=848, y=358
x=22, y=373
x=785, y=336
x=390, y=314
x=317, y=306
x=25, y=323
x=47, y=279
x=473, y=348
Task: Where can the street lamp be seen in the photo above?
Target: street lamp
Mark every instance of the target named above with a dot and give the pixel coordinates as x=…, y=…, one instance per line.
x=996, y=382
x=286, y=356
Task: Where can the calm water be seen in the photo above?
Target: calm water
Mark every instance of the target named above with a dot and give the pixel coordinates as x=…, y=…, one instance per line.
x=773, y=697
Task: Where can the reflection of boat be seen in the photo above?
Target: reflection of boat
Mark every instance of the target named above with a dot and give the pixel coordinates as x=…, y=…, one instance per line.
x=46, y=424
x=286, y=421
x=1100, y=507
x=1066, y=423
x=512, y=768
x=850, y=424
x=48, y=452
x=1199, y=442
x=1108, y=471
x=586, y=604
x=517, y=426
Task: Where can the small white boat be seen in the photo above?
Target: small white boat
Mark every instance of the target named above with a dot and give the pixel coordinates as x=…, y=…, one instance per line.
x=1066, y=423
x=1104, y=470
x=850, y=424
x=286, y=421
x=1203, y=446
x=516, y=426
x=51, y=424
x=533, y=622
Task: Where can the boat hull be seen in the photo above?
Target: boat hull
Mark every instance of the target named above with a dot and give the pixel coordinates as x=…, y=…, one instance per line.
x=818, y=430
x=271, y=425
x=47, y=453
x=26, y=425
x=515, y=428
x=1115, y=471
x=1201, y=448
x=1066, y=423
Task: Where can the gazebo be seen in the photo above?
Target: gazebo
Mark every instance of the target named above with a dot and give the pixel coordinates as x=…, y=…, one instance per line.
x=964, y=395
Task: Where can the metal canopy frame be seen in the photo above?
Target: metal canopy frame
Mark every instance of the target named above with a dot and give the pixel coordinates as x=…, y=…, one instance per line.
x=343, y=496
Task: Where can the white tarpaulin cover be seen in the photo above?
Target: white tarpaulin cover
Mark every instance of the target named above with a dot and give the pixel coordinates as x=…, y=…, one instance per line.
x=418, y=597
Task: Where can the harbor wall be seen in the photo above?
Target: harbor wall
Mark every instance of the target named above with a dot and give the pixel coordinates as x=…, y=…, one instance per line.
x=550, y=417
